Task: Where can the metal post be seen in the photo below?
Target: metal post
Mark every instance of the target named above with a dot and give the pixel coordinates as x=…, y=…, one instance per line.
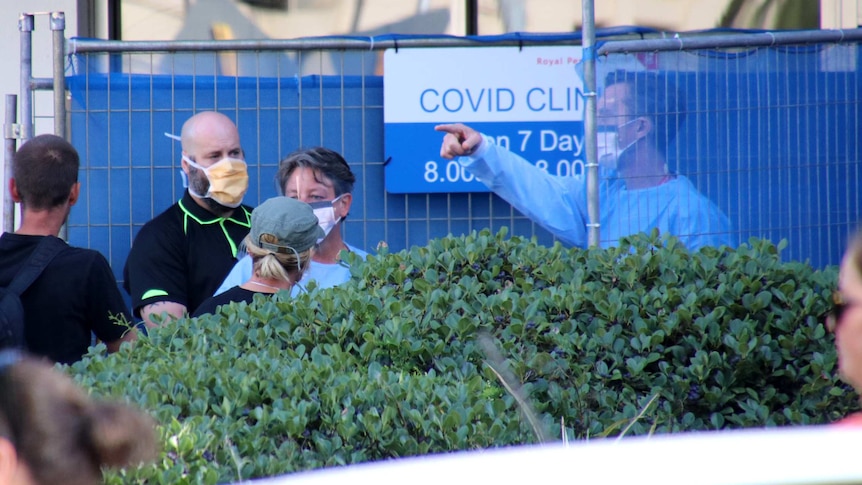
x=471, y=10
x=10, y=135
x=25, y=26
x=592, y=165
x=58, y=28
x=115, y=15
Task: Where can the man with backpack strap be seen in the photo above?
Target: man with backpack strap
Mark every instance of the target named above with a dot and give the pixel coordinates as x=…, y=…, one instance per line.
x=74, y=293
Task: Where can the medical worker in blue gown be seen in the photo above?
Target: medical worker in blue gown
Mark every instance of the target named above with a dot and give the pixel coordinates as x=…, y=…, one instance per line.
x=638, y=116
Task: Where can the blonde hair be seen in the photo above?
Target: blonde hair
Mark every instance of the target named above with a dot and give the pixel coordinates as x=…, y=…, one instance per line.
x=277, y=266
x=62, y=434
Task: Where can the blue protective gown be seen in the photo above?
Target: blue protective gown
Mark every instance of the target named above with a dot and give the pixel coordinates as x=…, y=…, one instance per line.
x=559, y=204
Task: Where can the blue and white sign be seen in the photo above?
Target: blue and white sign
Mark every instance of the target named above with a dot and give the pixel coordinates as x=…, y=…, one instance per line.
x=529, y=99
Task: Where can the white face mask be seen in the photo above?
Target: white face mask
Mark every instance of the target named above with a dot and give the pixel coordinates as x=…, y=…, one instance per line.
x=608, y=149
x=228, y=181
x=325, y=212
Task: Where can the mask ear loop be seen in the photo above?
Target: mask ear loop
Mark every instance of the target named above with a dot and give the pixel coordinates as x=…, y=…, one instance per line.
x=183, y=176
x=298, y=262
x=196, y=166
x=338, y=199
x=298, y=259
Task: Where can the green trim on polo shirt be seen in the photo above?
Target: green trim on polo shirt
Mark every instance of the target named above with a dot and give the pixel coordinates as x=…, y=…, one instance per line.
x=153, y=293
x=187, y=213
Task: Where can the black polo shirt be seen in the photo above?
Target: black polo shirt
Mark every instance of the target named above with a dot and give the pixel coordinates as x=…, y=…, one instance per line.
x=183, y=254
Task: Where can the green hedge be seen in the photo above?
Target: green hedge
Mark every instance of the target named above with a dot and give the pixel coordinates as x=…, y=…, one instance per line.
x=392, y=364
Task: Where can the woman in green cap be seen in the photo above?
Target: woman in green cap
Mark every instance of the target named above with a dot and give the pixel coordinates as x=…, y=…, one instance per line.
x=284, y=233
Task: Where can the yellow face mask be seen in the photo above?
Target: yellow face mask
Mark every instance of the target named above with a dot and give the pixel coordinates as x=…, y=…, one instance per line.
x=228, y=180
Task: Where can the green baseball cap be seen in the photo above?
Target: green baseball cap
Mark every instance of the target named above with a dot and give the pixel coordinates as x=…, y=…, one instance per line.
x=291, y=221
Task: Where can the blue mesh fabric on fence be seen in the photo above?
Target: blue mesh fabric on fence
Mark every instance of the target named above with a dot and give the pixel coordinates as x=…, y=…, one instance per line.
x=771, y=136
x=131, y=170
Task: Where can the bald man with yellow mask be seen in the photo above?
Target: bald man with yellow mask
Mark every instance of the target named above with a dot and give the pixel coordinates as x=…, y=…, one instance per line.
x=182, y=255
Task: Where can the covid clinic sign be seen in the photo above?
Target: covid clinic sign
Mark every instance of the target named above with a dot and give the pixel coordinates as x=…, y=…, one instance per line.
x=530, y=100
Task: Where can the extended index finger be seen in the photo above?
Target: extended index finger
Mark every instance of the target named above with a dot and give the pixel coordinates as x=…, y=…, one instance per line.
x=453, y=128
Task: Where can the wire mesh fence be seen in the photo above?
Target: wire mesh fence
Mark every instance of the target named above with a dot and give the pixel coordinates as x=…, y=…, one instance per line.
x=768, y=134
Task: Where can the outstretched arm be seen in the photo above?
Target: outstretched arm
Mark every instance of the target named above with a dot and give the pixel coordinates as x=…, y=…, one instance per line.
x=556, y=203
x=460, y=140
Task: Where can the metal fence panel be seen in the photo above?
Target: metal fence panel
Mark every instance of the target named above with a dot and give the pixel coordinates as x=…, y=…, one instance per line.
x=130, y=170
x=770, y=135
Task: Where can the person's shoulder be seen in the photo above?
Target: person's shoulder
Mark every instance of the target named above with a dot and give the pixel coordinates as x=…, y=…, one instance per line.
x=84, y=261
x=157, y=230
x=172, y=216
x=684, y=200
x=237, y=293
x=10, y=241
x=681, y=182
x=75, y=252
x=234, y=294
x=207, y=306
x=15, y=249
x=686, y=193
x=359, y=252
x=696, y=214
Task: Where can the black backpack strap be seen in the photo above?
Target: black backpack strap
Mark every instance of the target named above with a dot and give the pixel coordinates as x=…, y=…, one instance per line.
x=45, y=251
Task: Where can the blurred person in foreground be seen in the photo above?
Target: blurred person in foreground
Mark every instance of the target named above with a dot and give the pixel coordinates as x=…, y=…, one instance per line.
x=321, y=178
x=638, y=116
x=846, y=322
x=179, y=257
x=281, y=243
x=52, y=432
x=76, y=295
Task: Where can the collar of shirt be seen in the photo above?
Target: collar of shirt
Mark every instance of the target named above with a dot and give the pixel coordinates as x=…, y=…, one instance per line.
x=241, y=215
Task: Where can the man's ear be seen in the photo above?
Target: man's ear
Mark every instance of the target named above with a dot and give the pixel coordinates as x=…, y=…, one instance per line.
x=74, y=193
x=643, y=126
x=8, y=461
x=184, y=164
x=343, y=206
x=13, y=190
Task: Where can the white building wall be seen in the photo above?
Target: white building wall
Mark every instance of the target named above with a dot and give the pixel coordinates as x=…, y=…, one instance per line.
x=840, y=14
